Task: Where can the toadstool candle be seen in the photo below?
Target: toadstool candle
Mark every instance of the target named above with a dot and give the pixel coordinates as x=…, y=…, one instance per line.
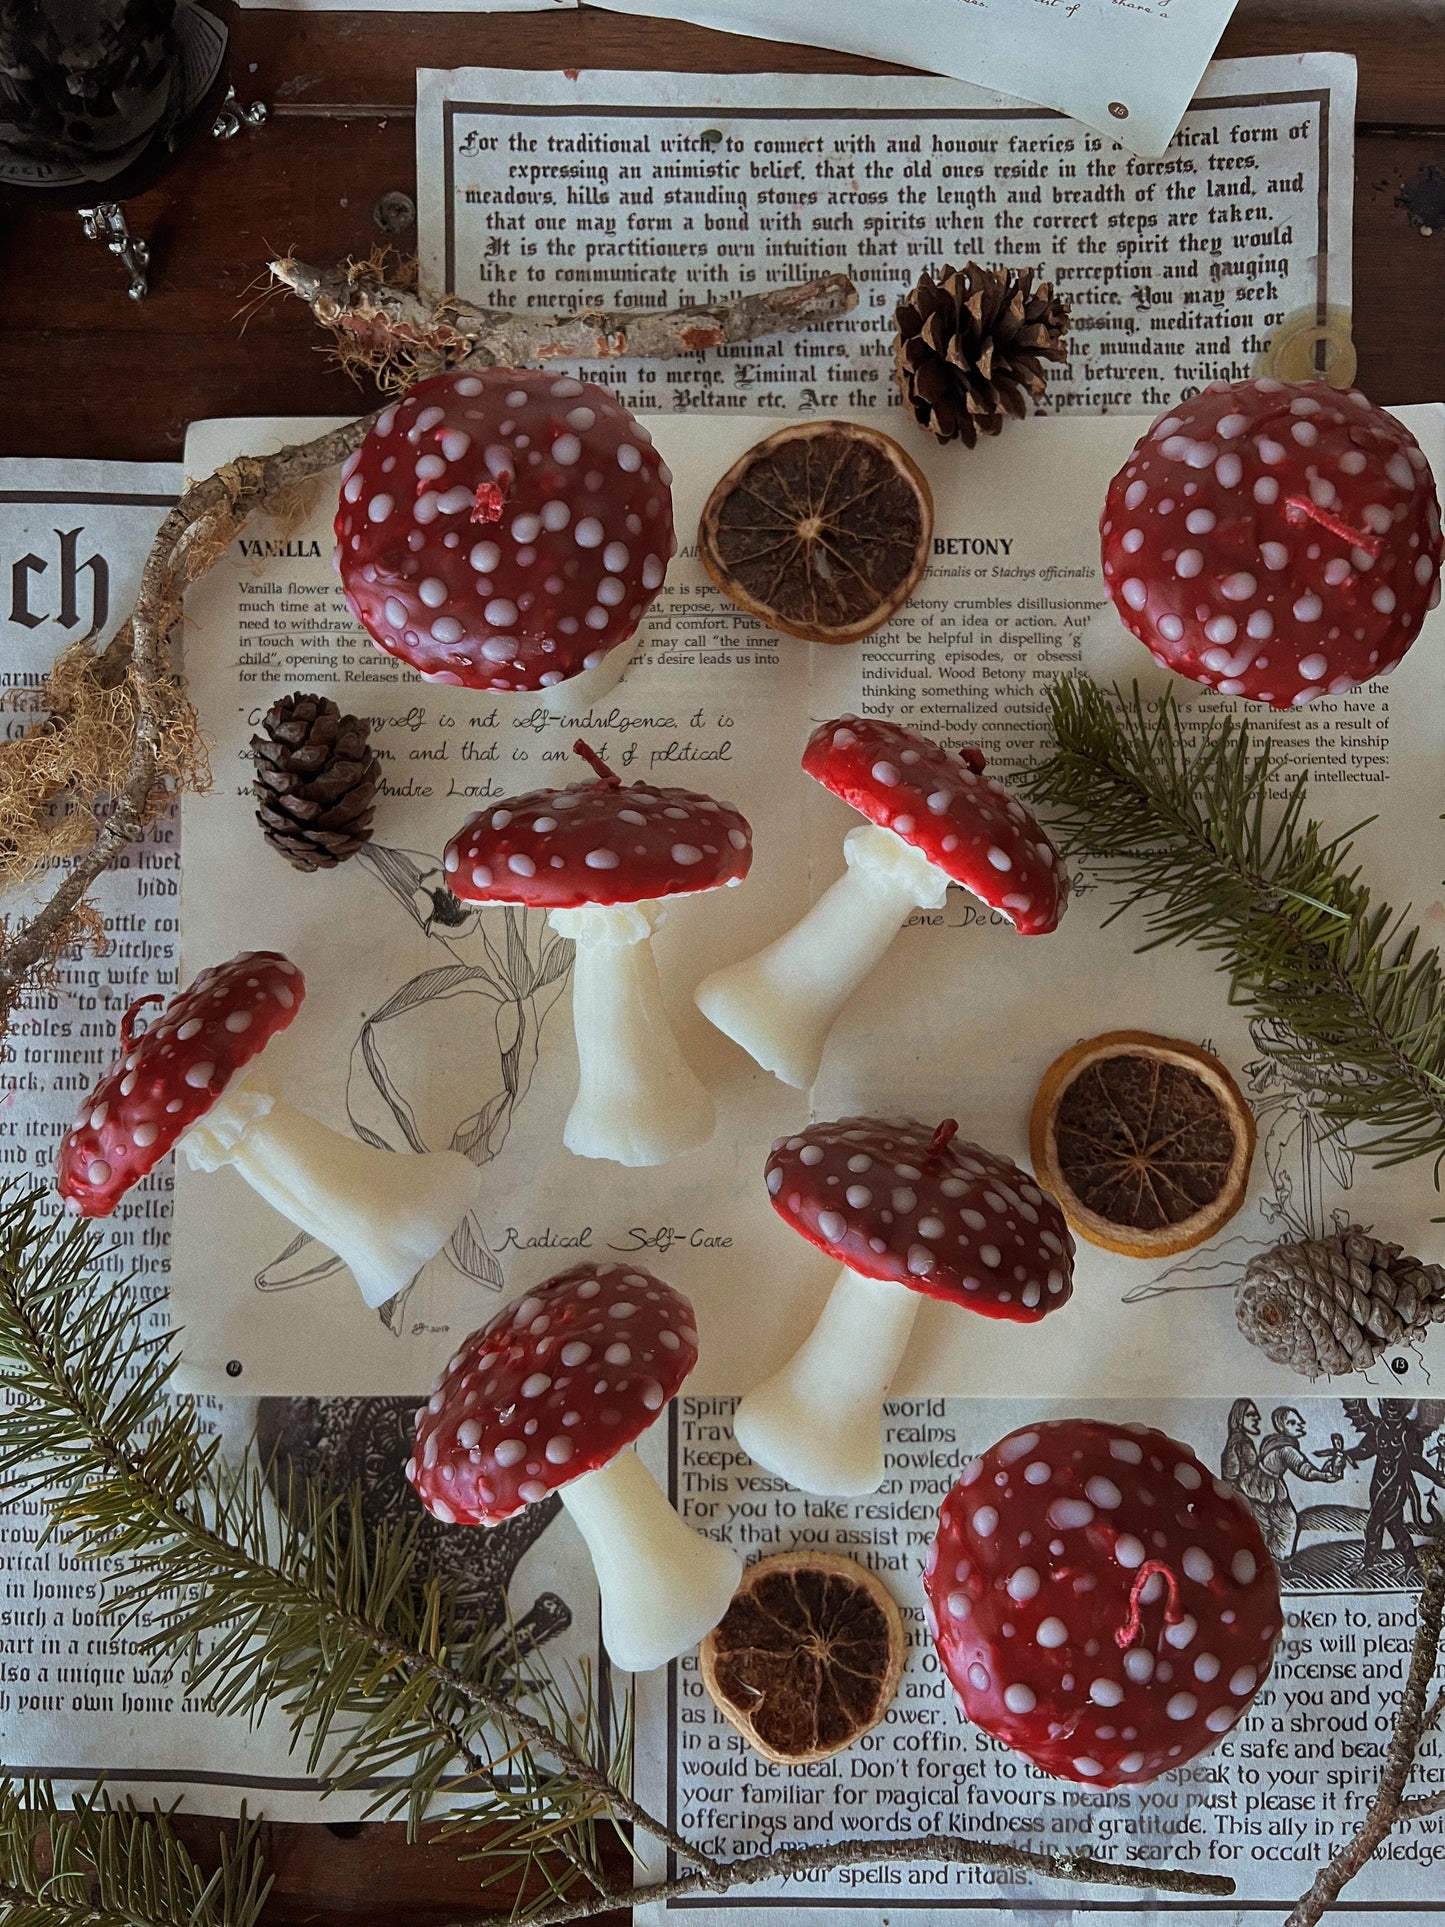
x=503, y=530
x=549, y=1397
x=909, y=1211
x=385, y=1214
x=934, y=819
x=1274, y=540
x=598, y=856
x=1100, y=1601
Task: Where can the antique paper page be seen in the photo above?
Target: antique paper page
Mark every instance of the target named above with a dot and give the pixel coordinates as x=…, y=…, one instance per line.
x=553, y=192
x=1127, y=71
x=1340, y=1489
x=415, y=1009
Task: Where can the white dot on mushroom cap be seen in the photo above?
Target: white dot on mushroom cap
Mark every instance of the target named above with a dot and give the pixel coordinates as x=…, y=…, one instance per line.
x=1229, y=470
x=1129, y=1551
x=1197, y=1564
x=1244, y=1567
x=811, y=1154
x=379, y=507
x=985, y=1522
x=1126, y=1451
x=500, y=612
x=97, y=1172
x=1104, y=1493
x=589, y=533
x=1308, y=608
x=1243, y=1681
x=1070, y=1513
x=1000, y=859
x=1384, y=601
x=1221, y=1719
x=886, y=774
x=1038, y=1473
x=921, y=1261
x=686, y=853
x=509, y=1452
x=1019, y=1698
x=1023, y=1584
x=601, y=859
x=1052, y=1632
x=858, y=1195
x=1171, y=628
x=1139, y=1665
x=1106, y=1692
x=1188, y=563
x=447, y=629
x=566, y=450
x=833, y=1225
x=1181, y=1633
x=957, y=1604
x=774, y=1181
x=1134, y=592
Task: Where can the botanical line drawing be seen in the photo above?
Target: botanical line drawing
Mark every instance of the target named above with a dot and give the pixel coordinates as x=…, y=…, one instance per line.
x=511, y=961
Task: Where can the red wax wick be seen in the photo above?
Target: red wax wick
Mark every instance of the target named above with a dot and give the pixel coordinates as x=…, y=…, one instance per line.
x=945, y=1133
x=127, y=1023
x=589, y=755
x=1299, y=508
x=489, y=502
x=1129, y=1631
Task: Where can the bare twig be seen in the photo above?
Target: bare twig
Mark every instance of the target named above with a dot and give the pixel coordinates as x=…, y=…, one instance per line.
x=779, y=1862
x=395, y=334
x=1389, y=1807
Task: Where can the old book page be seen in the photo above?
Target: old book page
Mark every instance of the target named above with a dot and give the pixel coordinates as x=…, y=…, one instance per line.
x=553, y=192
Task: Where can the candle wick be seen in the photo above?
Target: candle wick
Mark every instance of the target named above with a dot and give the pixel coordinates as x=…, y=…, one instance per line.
x=944, y=1135
x=1299, y=508
x=1151, y=1569
x=127, y=1023
x=589, y=755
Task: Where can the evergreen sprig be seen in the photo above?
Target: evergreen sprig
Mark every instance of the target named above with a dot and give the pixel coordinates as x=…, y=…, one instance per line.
x=99, y=1864
x=1351, y=1001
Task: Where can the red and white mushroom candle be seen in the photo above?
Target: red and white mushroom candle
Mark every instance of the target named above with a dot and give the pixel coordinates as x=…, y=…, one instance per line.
x=504, y=530
x=911, y=1211
x=1101, y=1602
x=550, y=1397
x=935, y=820
x=385, y=1214
x=598, y=857
x=1273, y=540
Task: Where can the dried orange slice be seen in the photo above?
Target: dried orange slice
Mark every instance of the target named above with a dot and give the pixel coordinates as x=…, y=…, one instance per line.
x=1145, y=1141
x=821, y=531
x=807, y=1657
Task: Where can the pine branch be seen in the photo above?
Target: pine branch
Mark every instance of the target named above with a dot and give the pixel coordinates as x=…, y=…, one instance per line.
x=311, y=1611
x=105, y=1865
x=1350, y=1004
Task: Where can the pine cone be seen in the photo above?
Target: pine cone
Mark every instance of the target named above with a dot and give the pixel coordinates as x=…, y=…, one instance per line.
x=1324, y=1306
x=316, y=781
x=971, y=345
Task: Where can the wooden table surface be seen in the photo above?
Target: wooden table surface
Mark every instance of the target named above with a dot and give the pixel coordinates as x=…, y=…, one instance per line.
x=84, y=371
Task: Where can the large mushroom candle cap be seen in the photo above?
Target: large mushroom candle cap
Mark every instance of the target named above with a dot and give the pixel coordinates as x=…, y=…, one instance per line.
x=908, y=1210
x=1274, y=540
x=598, y=856
x=503, y=529
x=1100, y=1601
x=934, y=820
x=547, y=1398
x=384, y=1214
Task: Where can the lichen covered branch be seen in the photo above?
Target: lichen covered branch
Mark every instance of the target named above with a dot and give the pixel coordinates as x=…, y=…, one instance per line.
x=386, y=329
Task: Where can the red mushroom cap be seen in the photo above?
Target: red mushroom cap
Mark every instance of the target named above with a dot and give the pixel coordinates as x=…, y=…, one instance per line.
x=1101, y=1602
x=505, y=529
x=553, y=1387
x=1276, y=540
x=892, y=1198
x=940, y=801
x=603, y=842
x=172, y=1074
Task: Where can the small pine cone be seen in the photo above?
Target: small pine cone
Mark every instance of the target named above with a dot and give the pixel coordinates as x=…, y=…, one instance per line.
x=316, y=781
x=1325, y=1306
x=970, y=345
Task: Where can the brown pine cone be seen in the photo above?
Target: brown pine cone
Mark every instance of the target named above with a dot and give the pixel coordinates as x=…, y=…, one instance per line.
x=316, y=781
x=1324, y=1306
x=971, y=345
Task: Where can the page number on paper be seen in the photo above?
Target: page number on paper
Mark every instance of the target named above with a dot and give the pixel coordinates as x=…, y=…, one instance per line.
x=1118, y=110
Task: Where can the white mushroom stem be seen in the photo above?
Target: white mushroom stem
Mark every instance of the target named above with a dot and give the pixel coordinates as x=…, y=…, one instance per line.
x=638, y=1099
x=818, y=1421
x=384, y=1213
x=781, y=1004
x=663, y=1586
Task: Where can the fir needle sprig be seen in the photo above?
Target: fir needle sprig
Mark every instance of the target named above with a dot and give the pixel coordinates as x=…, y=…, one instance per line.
x=307, y=1610
x=100, y=1864
x=1189, y=830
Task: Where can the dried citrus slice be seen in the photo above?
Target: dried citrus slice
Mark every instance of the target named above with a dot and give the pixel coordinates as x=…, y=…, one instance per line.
x=821, y=531
x=807, y=1656
x=1145, y=1142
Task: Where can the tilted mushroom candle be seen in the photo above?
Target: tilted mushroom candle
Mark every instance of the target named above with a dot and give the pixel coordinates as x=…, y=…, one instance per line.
x=1274, y=540
x=910, y=1210
x=1101, y=1602
x=384, y=1213
x=550, y=1397
x=934, y=819
x=503, y=530
x=598, y=856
